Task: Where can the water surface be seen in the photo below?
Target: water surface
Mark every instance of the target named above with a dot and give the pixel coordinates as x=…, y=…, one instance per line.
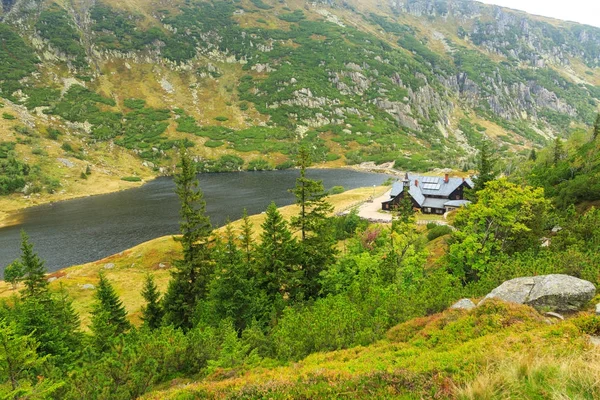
x=87, y=229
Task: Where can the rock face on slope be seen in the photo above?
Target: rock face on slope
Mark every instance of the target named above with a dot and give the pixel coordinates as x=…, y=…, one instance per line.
x=548, y=292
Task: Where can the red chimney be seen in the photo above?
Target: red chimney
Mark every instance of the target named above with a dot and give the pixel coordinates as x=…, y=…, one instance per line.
x=446, y=178
x=416, y=182
x=463, y=179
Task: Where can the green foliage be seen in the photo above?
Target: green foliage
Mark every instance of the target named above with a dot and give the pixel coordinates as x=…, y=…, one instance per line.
x=19, y=365
x=8, y=116
x=261, y=4
x=55, y=25
x=14, y=273
x=437, y=231
x=295, y=16
x=109, y=317
x=152, y=313
x=191, y=276
x=317, y=239
x=337, y=190
x=131, y=179
x=17, y=60
x=506, y=219
x=134, y=104
x=34, y=272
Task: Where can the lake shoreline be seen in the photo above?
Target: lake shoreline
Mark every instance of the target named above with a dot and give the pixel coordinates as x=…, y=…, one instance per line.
x=12, y=205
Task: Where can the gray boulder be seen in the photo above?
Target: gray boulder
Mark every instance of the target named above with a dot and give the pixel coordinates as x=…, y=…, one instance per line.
x=548, y=292
x=598, y=309
x=88, y=286
x=463, y=304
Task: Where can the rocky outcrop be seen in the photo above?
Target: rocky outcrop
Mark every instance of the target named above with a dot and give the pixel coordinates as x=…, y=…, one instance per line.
x=555, y=292
x=463, y=304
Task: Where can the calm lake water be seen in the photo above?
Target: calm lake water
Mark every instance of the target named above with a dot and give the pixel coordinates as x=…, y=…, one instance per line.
x=87, y=229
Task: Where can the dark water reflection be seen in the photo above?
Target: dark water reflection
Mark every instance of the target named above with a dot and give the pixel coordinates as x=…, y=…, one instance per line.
x=82, y=230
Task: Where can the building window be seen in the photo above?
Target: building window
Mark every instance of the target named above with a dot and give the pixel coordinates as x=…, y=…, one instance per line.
x=427, y=209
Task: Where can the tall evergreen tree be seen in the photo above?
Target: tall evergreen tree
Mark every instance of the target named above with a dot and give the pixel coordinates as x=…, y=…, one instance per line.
x=533, y=155
x=232, y=287
x=277, y=271
x=34, y=272
x=317, y=244
x=596, y=131
x=247, y=237
x=558, y=150
x=109, y=317
x=191, y=274
x=152, y=313
x=405, y=212
x=485, y=166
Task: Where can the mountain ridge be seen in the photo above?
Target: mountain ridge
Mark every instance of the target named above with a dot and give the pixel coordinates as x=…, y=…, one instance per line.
x=416, y=82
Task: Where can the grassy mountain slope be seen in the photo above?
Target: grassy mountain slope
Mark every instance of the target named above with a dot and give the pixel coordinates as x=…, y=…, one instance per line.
x=242, y=82
x=497, y=350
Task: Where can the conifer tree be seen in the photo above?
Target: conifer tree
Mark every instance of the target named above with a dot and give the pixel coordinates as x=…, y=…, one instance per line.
x=191, y=274
x=558, y=150
x=247, y=240
x=533, y=155
x=34, y=272
x=152, y=313
x=596, y=131
x=109, y=317
x=485, y=166
x=19, y=365
x=276, y=265
x=317, y=236
x=405, y=212
x=232, y=288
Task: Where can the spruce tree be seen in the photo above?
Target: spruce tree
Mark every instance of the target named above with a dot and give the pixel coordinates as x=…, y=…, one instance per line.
x=533, y=155
x=596, y=131
x=317, y=237
x=232, y=288
x=152, y=312
x=276, y=266
x=485, y=166
x=191, y=274
x=558, y=150
x=109, y=317
x=34, y=272
x=247, y=237
x=405, y=212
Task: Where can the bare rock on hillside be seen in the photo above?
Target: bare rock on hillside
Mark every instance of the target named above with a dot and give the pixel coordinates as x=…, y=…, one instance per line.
x=547, y=292
x=463, y=304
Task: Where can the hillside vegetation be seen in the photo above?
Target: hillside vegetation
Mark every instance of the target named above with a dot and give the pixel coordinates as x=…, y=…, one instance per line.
x=116, y=86
x=315, y=305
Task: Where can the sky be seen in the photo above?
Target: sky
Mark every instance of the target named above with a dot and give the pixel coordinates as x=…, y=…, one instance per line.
x=582, y=11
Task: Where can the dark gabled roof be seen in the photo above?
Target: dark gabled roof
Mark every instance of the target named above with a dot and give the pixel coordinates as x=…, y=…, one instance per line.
x=429, y=186
x=457, y=203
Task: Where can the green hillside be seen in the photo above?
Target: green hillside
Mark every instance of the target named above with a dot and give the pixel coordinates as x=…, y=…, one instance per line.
x=243, y=83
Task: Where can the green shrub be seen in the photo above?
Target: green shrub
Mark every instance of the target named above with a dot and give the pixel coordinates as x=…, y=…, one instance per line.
x=214, y=143
x=332, y=157
x=259, y=164
x=337, y=190
x=134, y=104
x=437, y=231
x=8, y=116
x=285, y=165
x=67, y=147
x=54, y=133
x=131, y=179
x=221, y=118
